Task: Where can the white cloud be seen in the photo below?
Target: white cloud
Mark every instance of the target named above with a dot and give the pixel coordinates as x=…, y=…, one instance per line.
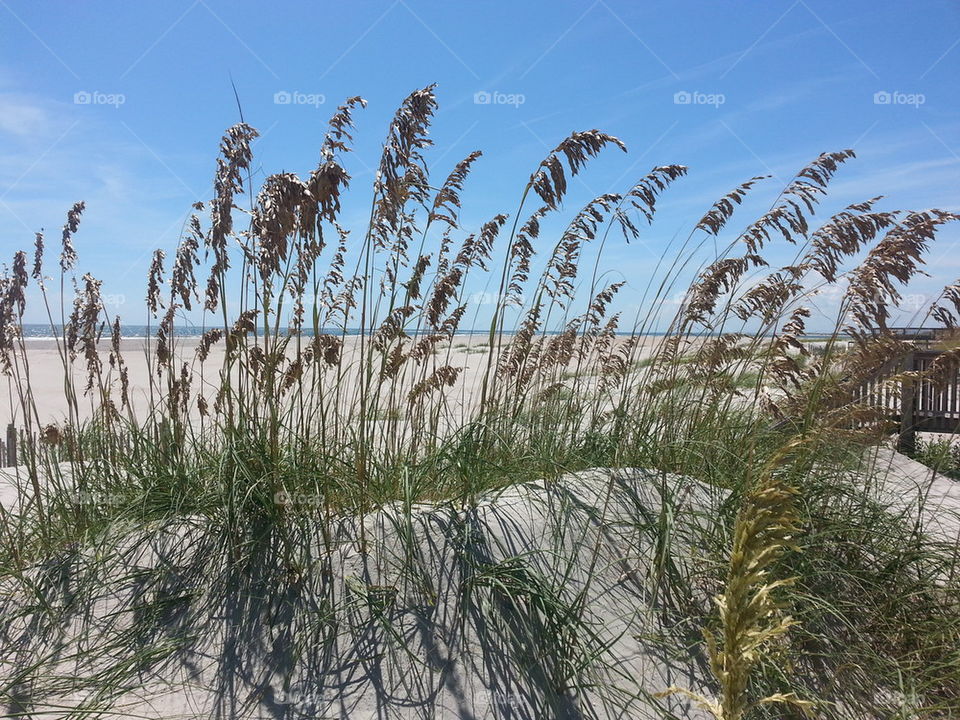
x=22, y=117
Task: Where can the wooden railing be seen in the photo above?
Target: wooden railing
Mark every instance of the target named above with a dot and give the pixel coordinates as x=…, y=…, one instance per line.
x=916, y=405
x=8, y=447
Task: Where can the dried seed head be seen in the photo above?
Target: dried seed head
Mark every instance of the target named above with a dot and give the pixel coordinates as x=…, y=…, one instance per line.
x=86, y=328
x=561, y=270
x=17, y=298
x=244, y=325
x=116, y=359
x=329, y=177
x=155, y=280
x=416, y=277
x=52, y=435
x=445, y=375
x=549, y=180
x=720, y=277
x=767, y=298
x=521, y=253
x=275, y=219
x=722, y=210
x=844, y=235
x=207, y=341
x=598, y=306
x=38, y=258
x=328, y=347
x=235, y=158
x=446, y=203
x=941, y=313
x=515, y=356
x=68, y=256
x=402, y=173
x=789, y=217
x=392, y=327
x=165, y=339
x=183, y=281
x=895, y=259
x=643, y=196
x=444, y=291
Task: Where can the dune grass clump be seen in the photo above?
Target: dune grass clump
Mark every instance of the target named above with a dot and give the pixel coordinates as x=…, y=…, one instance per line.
x=941, y=455
x=331, y=389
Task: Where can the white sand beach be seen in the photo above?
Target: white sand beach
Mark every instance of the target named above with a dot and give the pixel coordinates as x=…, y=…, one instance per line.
x=46, y=372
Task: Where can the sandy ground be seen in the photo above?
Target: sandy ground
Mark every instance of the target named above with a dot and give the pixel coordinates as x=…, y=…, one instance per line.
x=429, y=651
x=441, y=658
x=46, y=373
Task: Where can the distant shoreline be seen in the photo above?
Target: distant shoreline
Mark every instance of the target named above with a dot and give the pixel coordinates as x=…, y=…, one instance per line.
x=36, y=331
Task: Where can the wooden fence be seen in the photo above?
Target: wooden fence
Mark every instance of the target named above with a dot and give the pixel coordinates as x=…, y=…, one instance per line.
x=917, y=406
x=8, y=447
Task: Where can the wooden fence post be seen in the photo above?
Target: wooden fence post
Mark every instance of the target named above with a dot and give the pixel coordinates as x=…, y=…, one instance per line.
x=907, y=441
x=11, y=445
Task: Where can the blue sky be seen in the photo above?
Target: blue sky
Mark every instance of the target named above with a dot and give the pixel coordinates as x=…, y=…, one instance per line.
x=122, y=104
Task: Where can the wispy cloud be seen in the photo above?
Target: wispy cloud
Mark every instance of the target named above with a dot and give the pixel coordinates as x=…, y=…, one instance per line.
x=23, y=117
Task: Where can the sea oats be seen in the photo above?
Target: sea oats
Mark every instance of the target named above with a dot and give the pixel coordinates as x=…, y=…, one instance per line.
x=895, y=259
x=17, y=289
x=37, y=273
x=401, y=176
x=720, y=277
x=183, y=281
x=717, y=216
x=549, y=180
x=445, y=375
x=947, y=316
x=234, y=160
x=412, y=286
x=642, y=197
x=329, y=178
x=154, y=281
x=68, y=255
x=521, y=252
x=329, y=348
x=561, y=271
x=446, y=203
x=207, y=340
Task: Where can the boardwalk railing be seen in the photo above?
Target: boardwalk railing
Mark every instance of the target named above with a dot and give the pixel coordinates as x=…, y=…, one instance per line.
x=916, y=405
x=8, y=447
